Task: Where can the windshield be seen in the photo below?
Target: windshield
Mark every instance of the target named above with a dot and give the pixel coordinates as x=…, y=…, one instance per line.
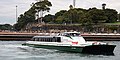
x=71, y=34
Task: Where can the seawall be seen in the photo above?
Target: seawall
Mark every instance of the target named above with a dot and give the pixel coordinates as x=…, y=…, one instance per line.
x=28, y=36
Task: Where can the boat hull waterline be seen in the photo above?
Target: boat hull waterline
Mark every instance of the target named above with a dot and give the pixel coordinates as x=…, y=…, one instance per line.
x=91, y=49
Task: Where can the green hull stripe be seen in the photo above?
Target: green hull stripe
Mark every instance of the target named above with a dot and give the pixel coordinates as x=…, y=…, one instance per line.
x=62, y=48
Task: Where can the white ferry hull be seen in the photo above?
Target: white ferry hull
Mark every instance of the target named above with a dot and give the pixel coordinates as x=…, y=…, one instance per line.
x=91, y=49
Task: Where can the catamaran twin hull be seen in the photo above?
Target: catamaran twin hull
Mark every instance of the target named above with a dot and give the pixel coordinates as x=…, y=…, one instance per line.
x=91, y=49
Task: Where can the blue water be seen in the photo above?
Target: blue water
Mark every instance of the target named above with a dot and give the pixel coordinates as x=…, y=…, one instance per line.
x=13, y=50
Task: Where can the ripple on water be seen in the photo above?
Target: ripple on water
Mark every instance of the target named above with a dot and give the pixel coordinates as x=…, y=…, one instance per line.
x=15, y=51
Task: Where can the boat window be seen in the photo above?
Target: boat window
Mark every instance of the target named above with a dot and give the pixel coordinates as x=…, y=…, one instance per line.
x=75, y=34
x=43, y=39
x=39, y=39
x=50, y=39
x=47, y=39
x=66, y=34
x=53, y=39
x=58, y=39
x=33, y=39
x=71, y=34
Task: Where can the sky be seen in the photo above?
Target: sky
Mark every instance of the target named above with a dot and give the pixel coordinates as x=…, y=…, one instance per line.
x=8, y=7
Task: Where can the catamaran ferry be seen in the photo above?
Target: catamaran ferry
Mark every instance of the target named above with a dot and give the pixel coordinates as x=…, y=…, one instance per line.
x=70, y=42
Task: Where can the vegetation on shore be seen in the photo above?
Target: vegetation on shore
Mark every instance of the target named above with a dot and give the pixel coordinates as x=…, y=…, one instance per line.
x=6, y=27
x=80, y=16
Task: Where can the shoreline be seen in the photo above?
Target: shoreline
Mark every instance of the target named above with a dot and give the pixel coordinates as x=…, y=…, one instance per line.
x=15, y=36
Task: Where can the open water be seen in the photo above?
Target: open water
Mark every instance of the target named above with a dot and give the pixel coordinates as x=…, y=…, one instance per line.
x=13, y=50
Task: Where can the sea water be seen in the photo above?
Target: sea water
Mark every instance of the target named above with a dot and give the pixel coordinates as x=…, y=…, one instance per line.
x=13, y=50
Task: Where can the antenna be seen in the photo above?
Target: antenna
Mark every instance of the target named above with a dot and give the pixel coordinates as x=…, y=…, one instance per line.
x=16, y=14
x=74, y=3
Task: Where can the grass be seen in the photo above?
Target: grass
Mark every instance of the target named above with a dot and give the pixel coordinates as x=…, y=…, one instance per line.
x=116, y=23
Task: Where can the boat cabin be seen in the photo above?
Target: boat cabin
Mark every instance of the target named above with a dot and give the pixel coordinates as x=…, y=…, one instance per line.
x=63, y=37
x=46, y=39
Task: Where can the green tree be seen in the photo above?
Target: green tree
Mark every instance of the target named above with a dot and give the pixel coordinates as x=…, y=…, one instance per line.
x=97, y=16
x=74, y=15
x=118, y=17
x=30, y=15
x=60, y=20
x=6, y=27
x=60, y=13
x=24, y=19
x=42, y=7
x=48, y=18
x=111, y=15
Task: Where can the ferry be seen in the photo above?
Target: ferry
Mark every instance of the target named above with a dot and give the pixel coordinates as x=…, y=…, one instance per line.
x=70, y=42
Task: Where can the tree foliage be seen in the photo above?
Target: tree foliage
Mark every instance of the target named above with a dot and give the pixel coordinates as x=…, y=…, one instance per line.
x=43, y=5
x=82, y=16
x=23, y=19
x=97, y=15
x=6, y=27
x=48, y=18
x=30, y=15
x=111, y=15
